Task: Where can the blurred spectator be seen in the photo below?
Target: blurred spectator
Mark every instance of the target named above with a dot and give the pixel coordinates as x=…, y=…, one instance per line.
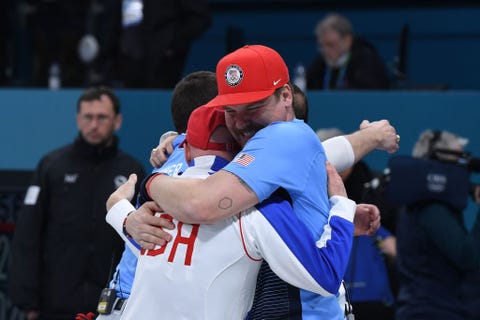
x=367, y=275
x=57, y=27
x=345, y=61
x=438, y=258
x=80, y=37
x=63, y=250
x=131, y=43
x=156, y=41
x=104, y=24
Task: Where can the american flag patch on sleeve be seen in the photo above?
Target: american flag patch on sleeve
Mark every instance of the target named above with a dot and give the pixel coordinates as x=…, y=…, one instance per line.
x=244, y=159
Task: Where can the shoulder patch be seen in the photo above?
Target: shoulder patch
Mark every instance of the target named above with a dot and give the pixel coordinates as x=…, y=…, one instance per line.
x=244, y=159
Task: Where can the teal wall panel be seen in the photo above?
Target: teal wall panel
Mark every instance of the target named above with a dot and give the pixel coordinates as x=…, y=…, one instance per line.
x=33, y=122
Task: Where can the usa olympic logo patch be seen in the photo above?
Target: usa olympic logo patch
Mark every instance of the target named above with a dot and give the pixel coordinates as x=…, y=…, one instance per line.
x=233, y=75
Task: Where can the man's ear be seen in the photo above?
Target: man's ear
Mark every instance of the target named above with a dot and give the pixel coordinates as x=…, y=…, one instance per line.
x=286, y=97
x=118, y=121
x=349, y=41
x=287, y=93
x=78, y=120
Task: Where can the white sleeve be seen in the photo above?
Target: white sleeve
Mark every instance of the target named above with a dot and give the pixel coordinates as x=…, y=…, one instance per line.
x=275, y=233
x=339, y=152
x=116, y=216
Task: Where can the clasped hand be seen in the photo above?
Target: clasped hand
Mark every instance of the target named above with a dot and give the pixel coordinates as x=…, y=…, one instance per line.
x=143, y=225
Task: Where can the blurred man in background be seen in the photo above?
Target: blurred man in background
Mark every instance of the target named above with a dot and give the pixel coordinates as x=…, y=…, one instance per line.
x=345, y=61
x=63, y=250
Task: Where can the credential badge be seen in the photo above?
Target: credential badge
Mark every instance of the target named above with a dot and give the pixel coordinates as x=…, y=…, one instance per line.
x=233, y=75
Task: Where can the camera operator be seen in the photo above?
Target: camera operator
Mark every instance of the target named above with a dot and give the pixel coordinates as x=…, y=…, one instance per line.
x=438, y=257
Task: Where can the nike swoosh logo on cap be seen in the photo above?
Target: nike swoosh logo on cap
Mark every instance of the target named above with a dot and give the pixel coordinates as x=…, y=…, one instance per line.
x=276, y=82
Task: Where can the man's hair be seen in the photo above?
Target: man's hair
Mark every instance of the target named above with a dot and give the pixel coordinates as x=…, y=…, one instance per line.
x=336, y=22
x=95, y=93
x=193, y=91
x=300, y=103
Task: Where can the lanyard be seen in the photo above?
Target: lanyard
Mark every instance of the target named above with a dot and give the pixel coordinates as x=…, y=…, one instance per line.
x=340, y=78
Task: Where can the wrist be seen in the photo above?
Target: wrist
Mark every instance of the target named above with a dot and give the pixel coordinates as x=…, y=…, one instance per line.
x=375, y=136
x=112, y=200
x=124, y=226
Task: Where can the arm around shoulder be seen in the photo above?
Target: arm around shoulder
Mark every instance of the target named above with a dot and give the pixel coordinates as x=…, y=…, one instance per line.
x=219, y=196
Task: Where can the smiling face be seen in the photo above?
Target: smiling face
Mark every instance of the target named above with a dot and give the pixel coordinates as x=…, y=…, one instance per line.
x=245, y=120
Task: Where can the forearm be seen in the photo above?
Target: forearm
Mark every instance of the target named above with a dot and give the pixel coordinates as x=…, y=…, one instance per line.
x=363, y=142
x=193, y=201
x=177, y=197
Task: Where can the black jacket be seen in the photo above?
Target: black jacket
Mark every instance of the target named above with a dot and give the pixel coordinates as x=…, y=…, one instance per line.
x=157, y=49
x=365, y=70
x=63, y=249
x=430, y=280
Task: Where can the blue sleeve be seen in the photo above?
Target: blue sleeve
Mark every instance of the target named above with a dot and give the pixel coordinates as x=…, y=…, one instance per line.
x=294, y=254
x=280, y=155
x=383, y=233
x=287, y=155
x=176, y=161
x=123, y=278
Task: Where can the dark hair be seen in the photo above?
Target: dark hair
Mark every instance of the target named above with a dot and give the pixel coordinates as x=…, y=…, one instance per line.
x=299, y=101
x=95, y=93
x=336, y=22
x=193, y=91
x=300, y=104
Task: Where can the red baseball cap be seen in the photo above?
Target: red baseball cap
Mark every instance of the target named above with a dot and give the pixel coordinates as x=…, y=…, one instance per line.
x=202, y=122
x=249, y=74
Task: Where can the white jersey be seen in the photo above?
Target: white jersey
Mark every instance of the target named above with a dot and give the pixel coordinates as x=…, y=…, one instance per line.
x=210, y=271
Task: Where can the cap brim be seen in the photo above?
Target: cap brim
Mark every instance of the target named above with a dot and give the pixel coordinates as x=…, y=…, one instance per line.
x=233, y=99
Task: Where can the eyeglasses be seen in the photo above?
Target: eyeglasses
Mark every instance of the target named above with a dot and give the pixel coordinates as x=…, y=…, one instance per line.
x=101, y=118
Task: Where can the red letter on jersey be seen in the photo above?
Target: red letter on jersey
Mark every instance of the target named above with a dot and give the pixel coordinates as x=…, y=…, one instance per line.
x=189, y=241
